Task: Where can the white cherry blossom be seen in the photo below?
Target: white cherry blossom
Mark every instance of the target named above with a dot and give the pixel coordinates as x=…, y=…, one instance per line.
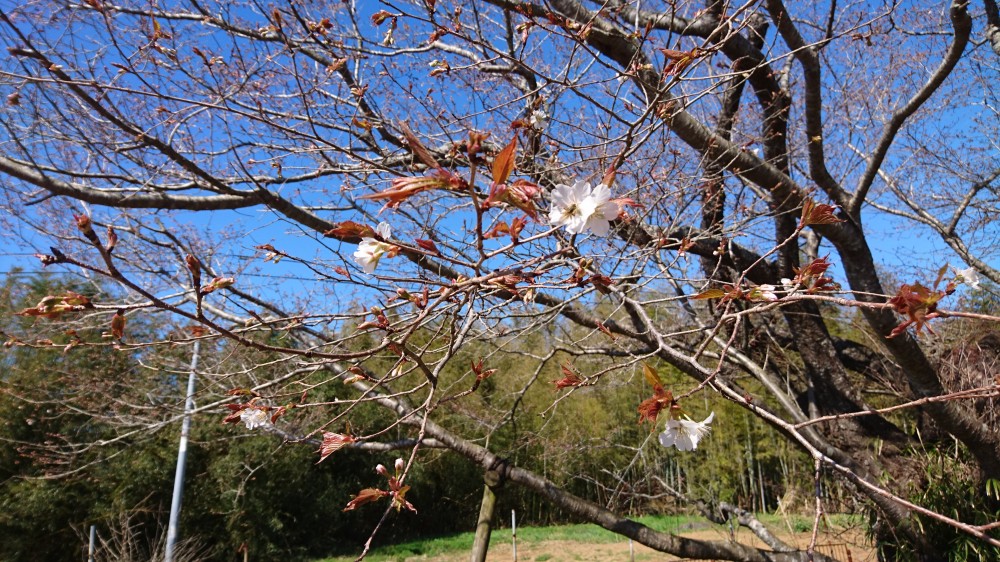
x=371, y=250
x=254, y=418
x=604, y=210
x=685, y=434
x=969, y=276
x=766, y=292
x=571, y=206
x=537, y=119
x=579, y=208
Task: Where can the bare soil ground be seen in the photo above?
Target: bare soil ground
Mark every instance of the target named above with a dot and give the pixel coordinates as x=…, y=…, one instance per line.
x=846, y=545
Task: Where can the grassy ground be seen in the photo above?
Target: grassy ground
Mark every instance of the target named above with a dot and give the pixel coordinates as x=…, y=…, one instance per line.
x=580, y=542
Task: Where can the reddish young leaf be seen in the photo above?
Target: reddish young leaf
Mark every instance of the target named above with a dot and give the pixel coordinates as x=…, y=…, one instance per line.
x=508, y=282
x=710, y=294
x=498, y=230
x=217, y=283
x=404, y=188
x=399, y=497
x=813, y=213
x=602, y=283
x=650, y=408
x=519, y=193
x=350, y=231
x=418, y=149
x=367, y=495
x=53, y=306
x=359, y=375
x=628, y=202
x=278, y=412
x=679, y=60
x=811, y=276
x=232, y=418
x=380, y=16
x=481, y=373
x=899, y=329
x=570, y=378
x=235, y=411
x=503, y=164
x=516, y=226
x=333, y=442
x=816, y=267
x=940, y=275
x=652, y=377
x=918, y=304
x=428, y=245
x=118, y=325
x=609, y=333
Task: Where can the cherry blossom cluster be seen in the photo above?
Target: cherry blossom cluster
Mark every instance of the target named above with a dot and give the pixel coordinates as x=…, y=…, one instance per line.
x=577, y=208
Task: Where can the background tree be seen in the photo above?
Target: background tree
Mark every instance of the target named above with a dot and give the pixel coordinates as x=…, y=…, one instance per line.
x=597, y=190
x=78, y=450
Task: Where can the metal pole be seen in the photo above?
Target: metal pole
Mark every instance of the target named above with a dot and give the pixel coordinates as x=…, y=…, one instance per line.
x=513, y=533
x=93, y=544
x=175, y=501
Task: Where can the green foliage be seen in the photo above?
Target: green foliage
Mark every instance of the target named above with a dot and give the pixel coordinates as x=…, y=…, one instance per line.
x=52, y=400
x=242, y=488
x=950, y=487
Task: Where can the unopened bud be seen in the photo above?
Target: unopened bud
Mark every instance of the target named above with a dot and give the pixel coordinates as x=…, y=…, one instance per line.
x=83, y=222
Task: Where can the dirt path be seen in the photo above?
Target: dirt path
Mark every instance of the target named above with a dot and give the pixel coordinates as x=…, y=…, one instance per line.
x=847, y=546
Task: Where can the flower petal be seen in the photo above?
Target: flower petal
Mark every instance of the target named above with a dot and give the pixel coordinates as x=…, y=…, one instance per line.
x=667, y=439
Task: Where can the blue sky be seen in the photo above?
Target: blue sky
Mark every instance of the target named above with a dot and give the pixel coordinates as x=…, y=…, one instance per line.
x=911, y=254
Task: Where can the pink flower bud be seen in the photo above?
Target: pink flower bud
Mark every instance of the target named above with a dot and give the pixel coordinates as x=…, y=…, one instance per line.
x=399, y=465
x=381, y=470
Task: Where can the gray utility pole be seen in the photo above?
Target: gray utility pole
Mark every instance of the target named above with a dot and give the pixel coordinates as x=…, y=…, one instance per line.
x=175, y=501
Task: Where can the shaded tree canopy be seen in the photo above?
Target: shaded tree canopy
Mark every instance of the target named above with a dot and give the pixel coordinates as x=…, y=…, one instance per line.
x=580, y=196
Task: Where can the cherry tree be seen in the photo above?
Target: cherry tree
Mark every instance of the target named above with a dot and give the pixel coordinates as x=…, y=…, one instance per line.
x=712, y=188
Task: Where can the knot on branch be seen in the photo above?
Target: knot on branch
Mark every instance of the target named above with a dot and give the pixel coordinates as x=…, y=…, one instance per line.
x=497, y=473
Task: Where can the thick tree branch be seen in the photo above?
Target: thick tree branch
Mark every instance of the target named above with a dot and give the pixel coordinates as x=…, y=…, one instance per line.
x=993, y=25
x=124, y=198
x=663, y=542
x=808, y=57
x=962, y=24
x=851, y=243
x=721, y=513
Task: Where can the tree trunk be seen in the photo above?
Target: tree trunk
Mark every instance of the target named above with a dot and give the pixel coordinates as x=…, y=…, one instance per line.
x=484, y=526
